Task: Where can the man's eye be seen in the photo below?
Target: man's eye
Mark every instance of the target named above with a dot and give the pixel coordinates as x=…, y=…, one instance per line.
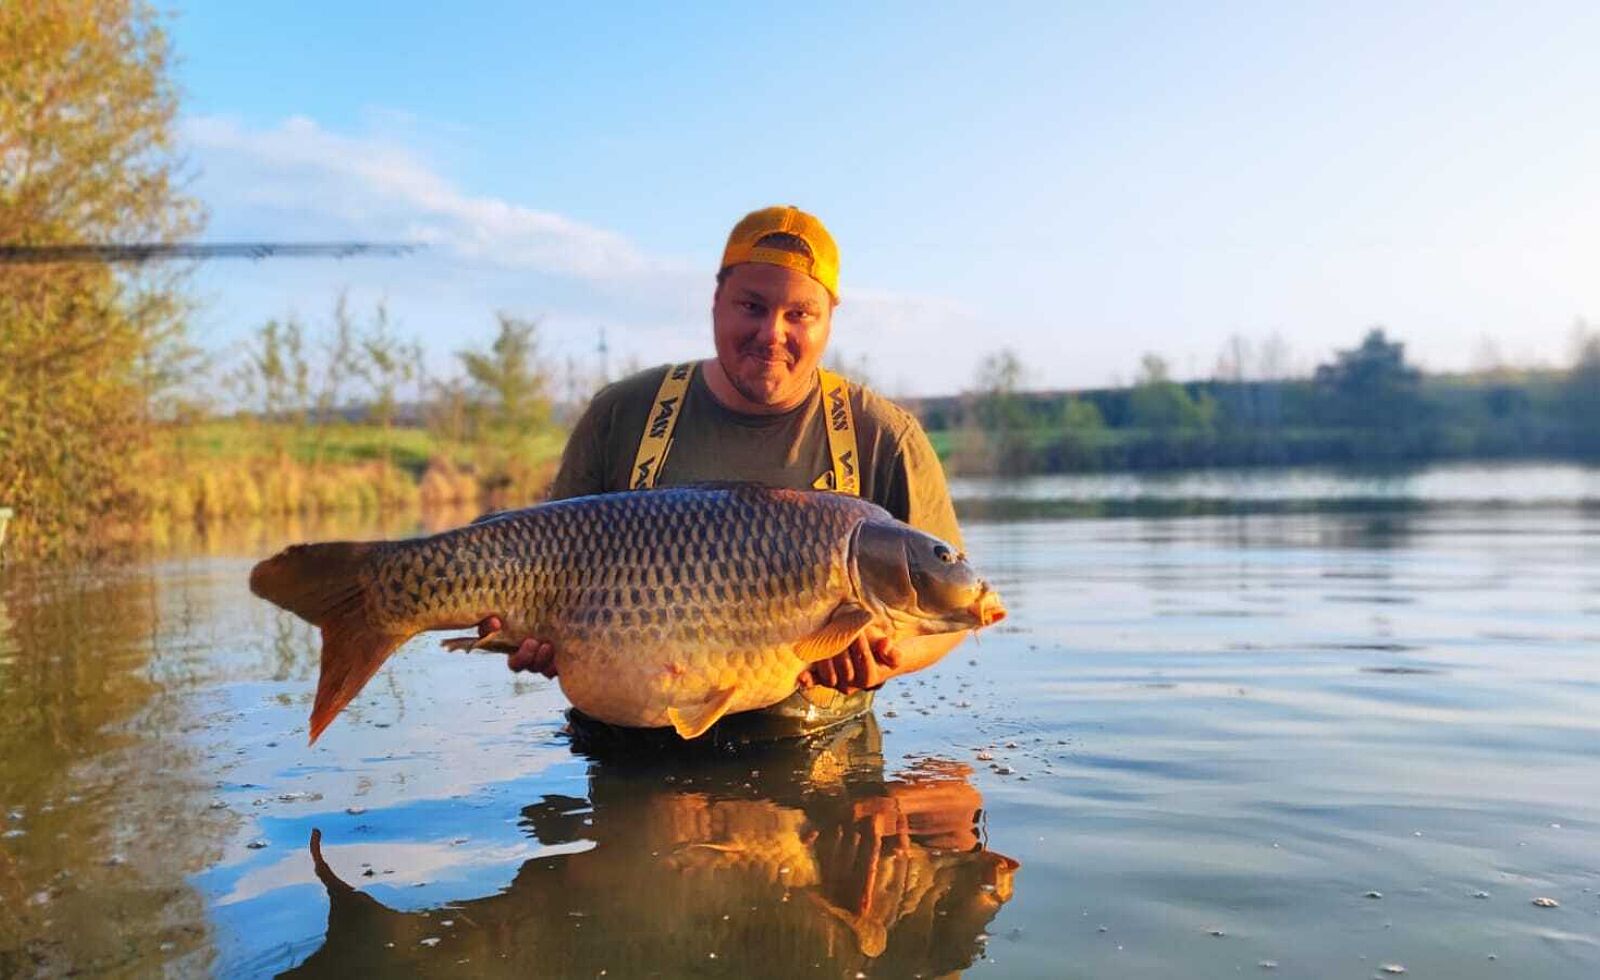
x=754, y=309
x=801, y=316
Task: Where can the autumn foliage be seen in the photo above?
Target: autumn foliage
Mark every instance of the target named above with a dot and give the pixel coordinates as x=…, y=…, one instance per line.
x=86, y=156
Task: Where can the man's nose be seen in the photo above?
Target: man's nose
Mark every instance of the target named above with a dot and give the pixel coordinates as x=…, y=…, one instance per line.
x=773, y=329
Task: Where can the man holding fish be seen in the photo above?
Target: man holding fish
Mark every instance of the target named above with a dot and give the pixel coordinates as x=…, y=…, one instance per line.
x=763, y=410
x=687, y=572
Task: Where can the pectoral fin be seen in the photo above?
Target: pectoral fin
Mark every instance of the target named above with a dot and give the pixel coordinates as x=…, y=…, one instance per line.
x=493, y=642
x=846, y=622
x=692, y=722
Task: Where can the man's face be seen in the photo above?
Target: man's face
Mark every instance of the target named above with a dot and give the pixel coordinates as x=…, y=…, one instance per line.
x=770, y=325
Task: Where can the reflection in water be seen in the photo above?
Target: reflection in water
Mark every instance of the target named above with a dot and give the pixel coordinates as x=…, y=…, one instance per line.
x=1226, y=725
x=108, y=677
x=1373, y=532
x=1276, y=489
x=93, y=863
x=772, y=861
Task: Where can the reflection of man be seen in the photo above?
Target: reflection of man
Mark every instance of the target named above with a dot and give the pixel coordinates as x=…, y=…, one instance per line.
x=763, y=410
x=792, y=858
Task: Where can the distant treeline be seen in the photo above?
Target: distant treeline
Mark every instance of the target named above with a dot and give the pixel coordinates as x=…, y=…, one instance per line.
x=1367, y=405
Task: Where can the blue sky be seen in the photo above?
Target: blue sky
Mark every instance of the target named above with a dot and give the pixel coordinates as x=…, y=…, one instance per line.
x=1080, y=182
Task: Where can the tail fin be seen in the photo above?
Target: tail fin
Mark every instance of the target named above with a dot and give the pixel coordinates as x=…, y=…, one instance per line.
x=321, y=583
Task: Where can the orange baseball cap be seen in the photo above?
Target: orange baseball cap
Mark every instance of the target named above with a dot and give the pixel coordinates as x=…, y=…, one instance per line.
x=823, y=262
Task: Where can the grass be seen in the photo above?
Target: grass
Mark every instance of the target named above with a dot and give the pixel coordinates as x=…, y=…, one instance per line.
x=234, y=468
x=234, y=439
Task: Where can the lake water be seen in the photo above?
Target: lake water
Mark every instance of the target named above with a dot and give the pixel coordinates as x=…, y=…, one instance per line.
x=1351, y=726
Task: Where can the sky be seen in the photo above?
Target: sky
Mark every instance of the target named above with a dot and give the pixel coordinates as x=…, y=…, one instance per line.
x=1081, y=183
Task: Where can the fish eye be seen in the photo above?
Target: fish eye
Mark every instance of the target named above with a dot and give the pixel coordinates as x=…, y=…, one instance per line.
x=944, y=554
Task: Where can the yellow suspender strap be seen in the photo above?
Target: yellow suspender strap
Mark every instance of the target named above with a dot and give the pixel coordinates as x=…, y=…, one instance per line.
x=659, y=426
x=656, y=441
x=841, y=433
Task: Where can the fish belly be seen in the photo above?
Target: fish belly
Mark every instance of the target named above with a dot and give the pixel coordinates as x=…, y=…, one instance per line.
x=633, y=677
x=635, y=688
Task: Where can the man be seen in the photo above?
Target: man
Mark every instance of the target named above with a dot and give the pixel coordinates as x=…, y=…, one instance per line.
x=762, y=410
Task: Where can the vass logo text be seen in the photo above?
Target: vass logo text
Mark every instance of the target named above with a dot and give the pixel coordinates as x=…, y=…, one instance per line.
x=642, y=480
x=659, y=424
x=837, y=416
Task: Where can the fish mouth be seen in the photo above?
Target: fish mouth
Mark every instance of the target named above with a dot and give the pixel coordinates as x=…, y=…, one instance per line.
x=988, y=610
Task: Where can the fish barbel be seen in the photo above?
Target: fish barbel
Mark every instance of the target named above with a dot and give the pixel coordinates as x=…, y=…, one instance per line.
x=665, y=607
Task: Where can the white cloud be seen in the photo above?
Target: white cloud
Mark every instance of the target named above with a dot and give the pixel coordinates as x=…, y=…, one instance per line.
x=298, y=180
x=371, y=186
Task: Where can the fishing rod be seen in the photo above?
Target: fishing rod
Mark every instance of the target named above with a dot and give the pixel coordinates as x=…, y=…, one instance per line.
x=140, y=252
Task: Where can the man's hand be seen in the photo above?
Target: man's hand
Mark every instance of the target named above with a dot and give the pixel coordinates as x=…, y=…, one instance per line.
x=863, y=664
x=532, y=655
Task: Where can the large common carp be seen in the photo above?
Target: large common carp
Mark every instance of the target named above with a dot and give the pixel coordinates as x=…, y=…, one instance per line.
x=665, y=607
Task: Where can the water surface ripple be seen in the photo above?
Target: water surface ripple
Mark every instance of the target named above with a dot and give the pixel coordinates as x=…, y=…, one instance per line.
x=1320, y=741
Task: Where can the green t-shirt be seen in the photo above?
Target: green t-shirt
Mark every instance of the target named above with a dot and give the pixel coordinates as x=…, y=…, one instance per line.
x=900, y=472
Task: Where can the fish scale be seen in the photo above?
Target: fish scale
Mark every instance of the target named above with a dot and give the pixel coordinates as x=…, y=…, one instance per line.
x=554, y=572
x=660, y=605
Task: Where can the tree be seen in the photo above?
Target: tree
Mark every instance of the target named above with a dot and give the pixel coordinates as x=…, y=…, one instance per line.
x=1582, y=390
x=999, y=380
x=384, y=362
x=273, y=377
x=340, y=361
x=1163, y=406
x=1274, y=359
x=1233, y=364
x=999, y=411
x=86, y=155
x=1079, y=434
x=446, y=411
x=507, y=409
x=510, y=382
x=1371, y=386
x=1233, y=383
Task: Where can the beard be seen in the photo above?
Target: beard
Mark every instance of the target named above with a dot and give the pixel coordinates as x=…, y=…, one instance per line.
x=771, y=382
x=772, y=389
